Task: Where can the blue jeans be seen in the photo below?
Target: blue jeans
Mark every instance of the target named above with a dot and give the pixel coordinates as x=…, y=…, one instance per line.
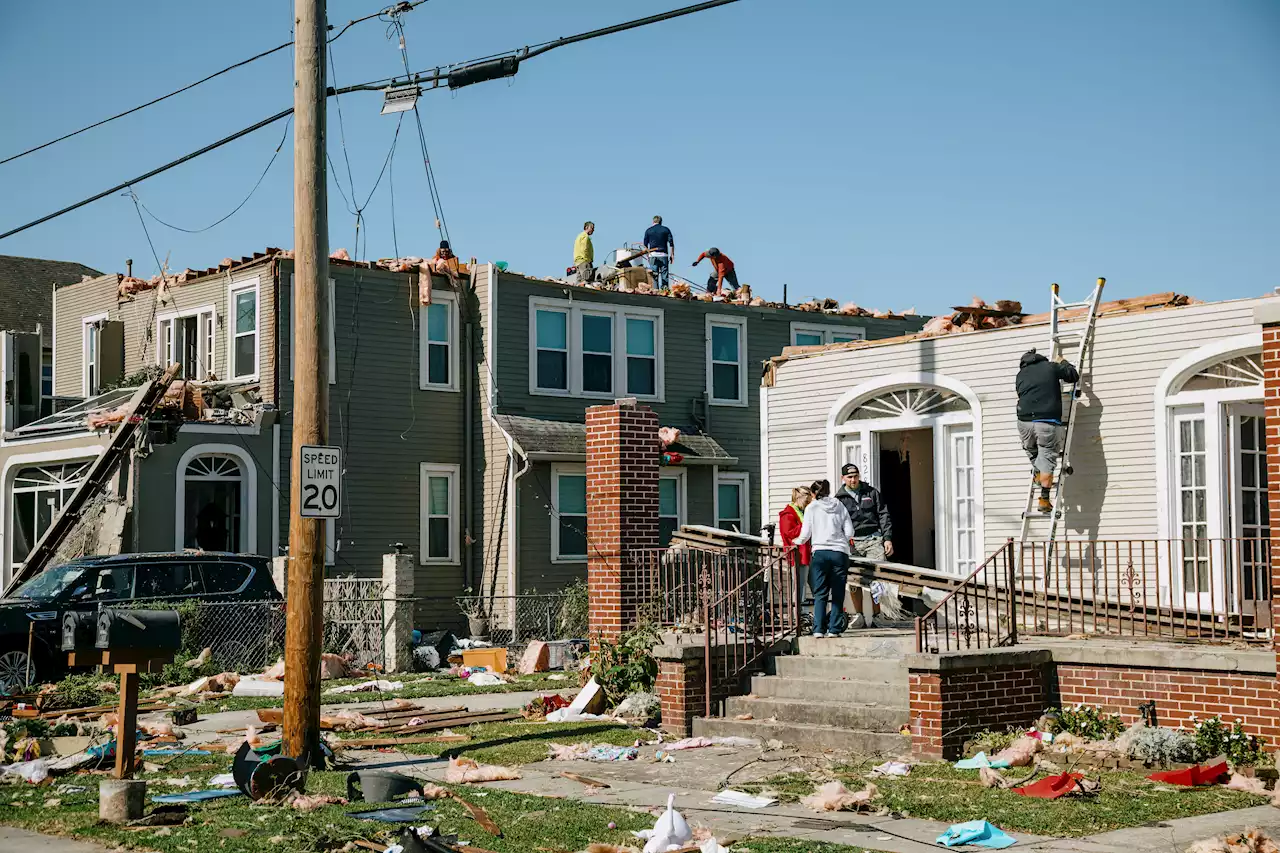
x=828, y=572
x=661, y=265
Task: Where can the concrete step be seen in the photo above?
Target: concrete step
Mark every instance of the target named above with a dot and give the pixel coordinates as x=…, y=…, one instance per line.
x=872, y=718
x=808, y=736
x=889, y=645
x=827, y=690
x=841, y=668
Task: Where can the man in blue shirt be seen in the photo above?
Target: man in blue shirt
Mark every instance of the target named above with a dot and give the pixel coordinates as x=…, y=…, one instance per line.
x=662, y=250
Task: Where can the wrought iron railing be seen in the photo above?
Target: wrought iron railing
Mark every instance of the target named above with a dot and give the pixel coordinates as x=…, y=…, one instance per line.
x=979, y=613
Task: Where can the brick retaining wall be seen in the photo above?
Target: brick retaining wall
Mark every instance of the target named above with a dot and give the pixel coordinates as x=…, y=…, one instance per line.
x=948, y=707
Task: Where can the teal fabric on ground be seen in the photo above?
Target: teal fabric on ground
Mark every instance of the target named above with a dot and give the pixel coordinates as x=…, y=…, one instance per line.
x=196, y=796
x=978, y=761
x=979, y=833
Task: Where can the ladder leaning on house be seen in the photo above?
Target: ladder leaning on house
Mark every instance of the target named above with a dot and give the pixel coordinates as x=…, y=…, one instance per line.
x=1080, y=338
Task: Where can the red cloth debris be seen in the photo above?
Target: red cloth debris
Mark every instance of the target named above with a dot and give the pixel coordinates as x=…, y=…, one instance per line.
x=1051, y=787
x=1192, y=776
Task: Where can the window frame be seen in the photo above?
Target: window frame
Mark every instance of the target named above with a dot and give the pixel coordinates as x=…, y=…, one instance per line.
x=743, y=479
x=205, y=336
x=827, y=333
x=682, y=498
x=234, y=290
x=89, y=327
x=619, y=313
x=333, y=343
x=740, y=323
x=557, y=471
x=448, y=299
x=64, y=484
x=426, y=470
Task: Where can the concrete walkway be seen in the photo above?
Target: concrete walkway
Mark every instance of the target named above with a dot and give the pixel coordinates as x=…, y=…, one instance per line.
x=33, y=842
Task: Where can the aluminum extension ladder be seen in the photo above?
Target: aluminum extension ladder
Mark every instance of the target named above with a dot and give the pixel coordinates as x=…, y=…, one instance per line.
x=1080, y=337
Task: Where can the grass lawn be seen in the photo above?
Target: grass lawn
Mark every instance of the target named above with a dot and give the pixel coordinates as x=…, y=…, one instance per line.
x=528, y=823
x=518, y=742
x=940, y=792
x=419, y=688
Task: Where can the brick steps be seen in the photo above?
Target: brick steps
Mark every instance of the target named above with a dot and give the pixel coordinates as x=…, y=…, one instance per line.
x=854, y=691
x=874, y=718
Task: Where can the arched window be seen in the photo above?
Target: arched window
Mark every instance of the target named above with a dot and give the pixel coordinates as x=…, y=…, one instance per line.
x=39, y=493
x=905, y=402
x=214, y=506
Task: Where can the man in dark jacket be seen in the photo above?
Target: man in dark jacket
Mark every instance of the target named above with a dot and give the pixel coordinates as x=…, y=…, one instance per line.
x=872, y=528
x=662, y=251
x=1040, y=416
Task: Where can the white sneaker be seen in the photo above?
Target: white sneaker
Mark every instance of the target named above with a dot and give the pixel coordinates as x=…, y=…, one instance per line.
x=819, y=636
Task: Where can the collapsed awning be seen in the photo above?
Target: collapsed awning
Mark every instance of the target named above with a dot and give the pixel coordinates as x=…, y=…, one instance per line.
x=542, y=440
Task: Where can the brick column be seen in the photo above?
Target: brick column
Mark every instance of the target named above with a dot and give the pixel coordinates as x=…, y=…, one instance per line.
x=1270, y=319
x=622, y=508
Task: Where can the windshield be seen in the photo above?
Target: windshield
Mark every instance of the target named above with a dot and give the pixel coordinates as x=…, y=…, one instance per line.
x=52, y=582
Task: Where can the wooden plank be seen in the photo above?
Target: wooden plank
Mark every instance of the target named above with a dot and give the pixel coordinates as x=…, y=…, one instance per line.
x=370, y=743
x=127, y=730
x=469, y=719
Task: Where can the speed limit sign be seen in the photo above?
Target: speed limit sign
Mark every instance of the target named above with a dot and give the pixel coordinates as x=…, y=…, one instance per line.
x=321, y=481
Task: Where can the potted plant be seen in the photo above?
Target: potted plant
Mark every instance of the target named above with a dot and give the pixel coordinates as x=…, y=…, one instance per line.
x=473, y=608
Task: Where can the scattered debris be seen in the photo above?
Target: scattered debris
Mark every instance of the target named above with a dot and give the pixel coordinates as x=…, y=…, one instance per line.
x=1250, y=841
x=590, y=783
x=893, y=768
x=377, y=686
x=1053, y=787
x=310, y=802
x=670, y=831
x=703, y=742
x=195, y=796
x=464, y=770
x=1193, y=776
x=536, y=658
x=979, y=833
x=1018, y=754
x=1247, y=784
x=835, y=797
x=200, y=659
x=992, y=779
x=980, y=761
x=745, y=801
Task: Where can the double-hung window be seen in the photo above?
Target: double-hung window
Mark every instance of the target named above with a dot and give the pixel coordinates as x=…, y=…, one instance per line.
x=244, y=331
x=91, y=348
x=595, y=350
x=726, y=360
x=186, y=337
x=731, y=502
x=439, y=532
x=438, y=350
x=811, y=335
x=671, y=505
x=330, y=336
x=569, y=502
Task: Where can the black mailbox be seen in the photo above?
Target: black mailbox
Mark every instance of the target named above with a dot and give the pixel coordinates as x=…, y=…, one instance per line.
x=79, y=630
x=156, y=630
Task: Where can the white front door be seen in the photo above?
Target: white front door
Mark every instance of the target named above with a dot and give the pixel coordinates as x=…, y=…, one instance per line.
x=960, y=520
x=1248, y=513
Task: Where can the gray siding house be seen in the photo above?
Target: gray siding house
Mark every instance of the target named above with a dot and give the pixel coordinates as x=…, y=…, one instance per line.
x=462, y=420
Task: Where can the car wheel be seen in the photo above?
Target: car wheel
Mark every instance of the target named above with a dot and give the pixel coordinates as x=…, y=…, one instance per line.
x=14, y=671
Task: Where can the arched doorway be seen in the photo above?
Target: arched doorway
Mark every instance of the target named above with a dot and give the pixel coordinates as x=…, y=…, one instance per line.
x=215, y=506
x=916, y=437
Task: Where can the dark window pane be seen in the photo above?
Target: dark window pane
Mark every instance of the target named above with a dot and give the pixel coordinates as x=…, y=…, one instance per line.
x=641, y=378
x=666, y=529
x=438, y=538
x=573, y=536
x=572, y=495
x=212, y=520
x=1246, y=433
x=597, y=373
x=808, y=339
x=724, y=343
x=553, y=369
x=597, y=333
x=24, y=525
x=1248, y=472
x=245, y=354
x=438, y=364
x=724, y=381
x=553, y=329
x=113, y=584
x=222, y=578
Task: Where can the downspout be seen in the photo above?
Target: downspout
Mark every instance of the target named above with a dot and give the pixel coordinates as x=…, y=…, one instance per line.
x=468, y=540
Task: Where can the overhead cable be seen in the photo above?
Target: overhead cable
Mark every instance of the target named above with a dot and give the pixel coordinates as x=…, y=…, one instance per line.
x=434, y=77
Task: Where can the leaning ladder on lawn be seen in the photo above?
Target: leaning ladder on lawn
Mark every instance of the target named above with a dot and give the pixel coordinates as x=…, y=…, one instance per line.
x=1060, y=338
x=140, y=406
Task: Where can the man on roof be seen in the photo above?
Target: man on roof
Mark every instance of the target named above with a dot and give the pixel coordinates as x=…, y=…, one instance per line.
x=662, y=250
x=584, y=253
x=1040, y=416
x=722, y=271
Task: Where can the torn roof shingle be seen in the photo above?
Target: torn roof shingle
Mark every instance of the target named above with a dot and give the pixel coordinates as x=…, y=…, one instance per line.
x=539, y=437
x=26, y=290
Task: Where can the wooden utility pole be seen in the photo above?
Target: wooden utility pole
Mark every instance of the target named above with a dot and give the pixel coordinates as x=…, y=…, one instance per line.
x=304, y=625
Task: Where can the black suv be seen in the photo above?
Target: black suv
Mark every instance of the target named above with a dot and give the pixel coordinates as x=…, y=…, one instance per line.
x=89, y=582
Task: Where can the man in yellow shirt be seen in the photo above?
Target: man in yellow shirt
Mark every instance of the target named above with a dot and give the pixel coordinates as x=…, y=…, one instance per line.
x=584, y=253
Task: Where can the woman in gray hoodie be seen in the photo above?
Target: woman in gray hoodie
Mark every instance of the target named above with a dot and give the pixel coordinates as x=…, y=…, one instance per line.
x=828, y=526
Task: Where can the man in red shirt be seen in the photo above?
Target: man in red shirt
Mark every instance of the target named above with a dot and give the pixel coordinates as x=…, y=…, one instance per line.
x=723, y=271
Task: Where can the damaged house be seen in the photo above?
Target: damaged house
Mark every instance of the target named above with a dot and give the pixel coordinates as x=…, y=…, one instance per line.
x=462, y=420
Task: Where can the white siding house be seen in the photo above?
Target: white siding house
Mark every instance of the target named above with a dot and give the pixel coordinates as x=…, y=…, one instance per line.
x=1169, y=440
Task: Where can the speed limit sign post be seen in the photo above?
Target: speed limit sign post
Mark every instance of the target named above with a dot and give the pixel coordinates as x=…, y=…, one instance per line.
x=321, y=481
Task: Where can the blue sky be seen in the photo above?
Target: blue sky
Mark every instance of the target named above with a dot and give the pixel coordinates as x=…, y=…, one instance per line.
x=896, y=154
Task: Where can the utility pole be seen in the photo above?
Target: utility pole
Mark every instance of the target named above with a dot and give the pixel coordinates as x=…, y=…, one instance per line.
x=304, y=623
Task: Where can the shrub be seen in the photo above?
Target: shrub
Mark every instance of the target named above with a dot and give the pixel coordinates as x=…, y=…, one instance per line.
x=1162, y=746
x=627, y=666
x=574, y=612
x=1088, y=722
x=1213, y=737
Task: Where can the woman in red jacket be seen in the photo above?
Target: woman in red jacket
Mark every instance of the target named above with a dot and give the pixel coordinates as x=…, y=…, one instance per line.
x=790, y=521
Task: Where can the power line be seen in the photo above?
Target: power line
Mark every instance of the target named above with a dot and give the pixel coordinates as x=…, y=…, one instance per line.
x=466, y=74
x=234, y=210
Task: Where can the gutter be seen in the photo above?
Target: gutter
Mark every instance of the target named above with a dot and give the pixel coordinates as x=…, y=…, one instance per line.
x=468, y=373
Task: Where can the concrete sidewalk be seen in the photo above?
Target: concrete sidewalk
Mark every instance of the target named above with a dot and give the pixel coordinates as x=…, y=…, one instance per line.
x=33, y=842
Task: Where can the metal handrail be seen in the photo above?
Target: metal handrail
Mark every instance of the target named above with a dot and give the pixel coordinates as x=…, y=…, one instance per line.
x=990, y=592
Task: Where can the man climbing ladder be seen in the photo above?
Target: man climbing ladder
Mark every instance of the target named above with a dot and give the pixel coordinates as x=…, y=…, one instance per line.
x=1040, y=423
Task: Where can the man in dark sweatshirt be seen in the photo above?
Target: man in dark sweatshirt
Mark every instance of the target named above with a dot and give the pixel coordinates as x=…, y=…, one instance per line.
x=872, y=531
x=1040, y=416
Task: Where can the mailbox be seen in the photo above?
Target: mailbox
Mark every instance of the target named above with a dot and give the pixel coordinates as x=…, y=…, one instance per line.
x=79, y=630
x=154, y=630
